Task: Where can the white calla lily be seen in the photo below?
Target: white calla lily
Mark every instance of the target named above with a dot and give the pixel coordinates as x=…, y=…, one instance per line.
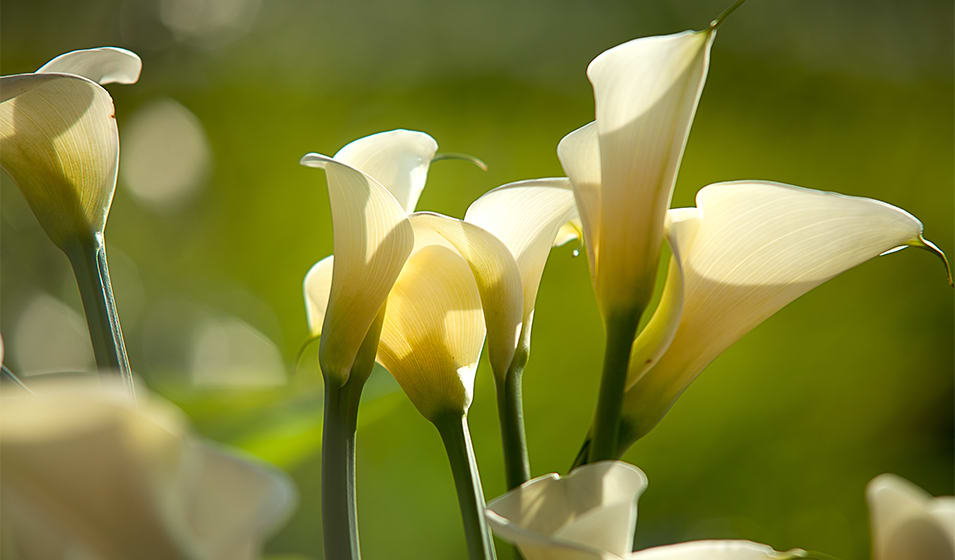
x=527, y=216
x=591, y=514
x=746, y=251
x=59, y=141
x=372, y=234
x=150, y=485
x=624, y=165
x=909, y=524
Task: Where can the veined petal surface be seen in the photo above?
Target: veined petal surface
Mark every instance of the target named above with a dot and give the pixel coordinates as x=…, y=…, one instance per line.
x=526, y=216
x=104, y=65
x=646, y=92
x=496, y=273
x=372, y=240
x=757, y=246
x=59, y=142
x=588, y=514
x=397, y=159
x=433, y=331
x=715, y=550
x=908, y=523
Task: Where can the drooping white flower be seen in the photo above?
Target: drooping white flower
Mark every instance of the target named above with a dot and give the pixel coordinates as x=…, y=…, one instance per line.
x=909, y=524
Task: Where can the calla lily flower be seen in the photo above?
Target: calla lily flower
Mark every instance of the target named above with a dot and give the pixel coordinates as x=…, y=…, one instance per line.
x=86, y=471
x=59, y=141
x=623, y=166
x=746, y=251
x=591, y=514
x=907, y=523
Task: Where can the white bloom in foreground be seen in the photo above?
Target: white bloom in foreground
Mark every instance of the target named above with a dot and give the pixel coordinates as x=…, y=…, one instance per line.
x=88, y=473
x=907, y=523
x=59, y=141
x=624, y=165
x=747, y=250
x=372, y=236
x=591, y=514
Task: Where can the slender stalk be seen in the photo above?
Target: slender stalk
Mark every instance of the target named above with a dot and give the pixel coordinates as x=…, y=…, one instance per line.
x=339, y=514
x=621, y=331
x=457, y=442
x=88, y=259
x=510, y=412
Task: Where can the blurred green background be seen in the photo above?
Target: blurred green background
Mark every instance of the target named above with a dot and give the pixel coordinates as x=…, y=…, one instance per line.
x=214, y=226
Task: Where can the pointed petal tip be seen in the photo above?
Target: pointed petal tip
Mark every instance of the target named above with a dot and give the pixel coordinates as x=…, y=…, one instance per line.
x=479, y=163
x=313, y=159
x=927, y=245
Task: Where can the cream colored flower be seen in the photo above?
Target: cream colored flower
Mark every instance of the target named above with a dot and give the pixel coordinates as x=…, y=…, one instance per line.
x=59, y=141
x=591, y=514
x=88, y=473
x=907, y=523
x=623, y=166
x=747, y=250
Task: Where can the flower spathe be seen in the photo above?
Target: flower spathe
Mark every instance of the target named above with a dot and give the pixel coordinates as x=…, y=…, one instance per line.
x=909, y=524
x=372, y=234
x=591, y=514
x=59, y=141
x=748, y=249
x=88, y=471
x=623, y=166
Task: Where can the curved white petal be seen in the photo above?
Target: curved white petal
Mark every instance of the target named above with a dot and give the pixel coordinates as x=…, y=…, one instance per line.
x=433, y=331
x=646, y=93
x=498, y=281
x=715, y=550
x=397, y=159
x=757, y=247
x=147, y=483
x=907, y=523
x=59, y=142
x=234, y=503
x=579, y=154
x=104, y=65
x=526, y=216
x=372, y=240
x=317, y=287
x=589, y=514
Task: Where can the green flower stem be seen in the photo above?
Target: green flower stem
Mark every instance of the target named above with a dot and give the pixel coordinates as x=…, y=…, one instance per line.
x=621, y=331
x=339, y=514
x=510, y=412
x=88, y=258
x=457, y=442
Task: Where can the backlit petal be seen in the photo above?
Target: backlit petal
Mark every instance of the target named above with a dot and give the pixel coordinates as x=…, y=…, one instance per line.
x=372, y=240
x=907, y=523
x=715, y=550
x=59, y=142
x=433, y=331
x=526, y=216
x=317, y=288
x=579, y=154
x=757, y=247
x=646, y=93
x=588, y=514
x=104, y=65
x=397, y=159
x=498, y=281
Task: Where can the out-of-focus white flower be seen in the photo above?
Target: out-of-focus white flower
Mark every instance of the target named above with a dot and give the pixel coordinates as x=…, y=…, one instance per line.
x=59, y=141
x=591, y=514
x=89, y=473
x=909, y=524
